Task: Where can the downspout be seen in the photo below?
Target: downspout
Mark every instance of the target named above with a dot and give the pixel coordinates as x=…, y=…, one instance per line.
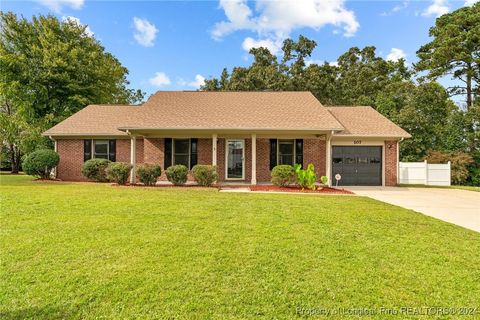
x=54, y=171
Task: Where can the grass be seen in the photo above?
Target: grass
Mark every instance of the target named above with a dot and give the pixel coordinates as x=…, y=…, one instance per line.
x=469, y=188
x=92, y=251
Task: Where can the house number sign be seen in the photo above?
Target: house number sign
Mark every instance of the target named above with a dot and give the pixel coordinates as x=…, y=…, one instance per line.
x=357, y=141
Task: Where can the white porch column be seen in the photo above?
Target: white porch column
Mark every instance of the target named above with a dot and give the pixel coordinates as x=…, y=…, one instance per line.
x=329, y=158
x=254, y=159
x=214, y=149
x=133, y=158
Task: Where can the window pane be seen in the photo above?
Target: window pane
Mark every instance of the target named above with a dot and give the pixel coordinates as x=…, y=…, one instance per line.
x=286, y=159
x=337, y=160
x=100, y=149
x=285, y=147
x=285, y=152
x=181, y=159
x=349, y=160
x=181, y=146
x=362, y=160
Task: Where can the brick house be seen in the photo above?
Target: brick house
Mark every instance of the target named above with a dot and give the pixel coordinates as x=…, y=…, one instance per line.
x=245, y=134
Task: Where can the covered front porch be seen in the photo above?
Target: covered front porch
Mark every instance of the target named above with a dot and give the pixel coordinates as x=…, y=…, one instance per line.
x=242, y=157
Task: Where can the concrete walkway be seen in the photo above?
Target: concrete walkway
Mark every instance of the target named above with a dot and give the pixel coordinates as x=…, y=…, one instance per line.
x=459, y=207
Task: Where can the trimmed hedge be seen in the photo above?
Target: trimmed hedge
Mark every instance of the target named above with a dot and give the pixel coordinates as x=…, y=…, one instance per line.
x=118, y=172
x=40, y=163
x=95, y=169
x=283, y=175
x=177, y=174
x=205, y=175
x=149, y=173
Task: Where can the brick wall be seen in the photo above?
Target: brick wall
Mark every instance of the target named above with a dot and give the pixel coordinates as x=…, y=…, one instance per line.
x=151, y=150
x=263, y=160
x=204, y=151
x=221, y=159
x=123, y=150
x=71, y=160
x=71, y=157
x=314, y=151
x=390, y=163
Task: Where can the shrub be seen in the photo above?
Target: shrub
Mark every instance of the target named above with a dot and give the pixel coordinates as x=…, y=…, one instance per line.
x=95, y=169
x=40, y=163
x=306, y=178
x=149, y=173
x=324, y=180
x=204, y=175
x=177, y=174
x=283, y=175
x=460, y=162
x=475, y=177
x=118, y=172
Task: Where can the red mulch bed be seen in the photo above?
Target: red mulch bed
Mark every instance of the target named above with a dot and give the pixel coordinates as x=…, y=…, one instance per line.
x=297, y=189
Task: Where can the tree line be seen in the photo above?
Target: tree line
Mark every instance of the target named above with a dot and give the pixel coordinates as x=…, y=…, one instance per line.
x=410, y=96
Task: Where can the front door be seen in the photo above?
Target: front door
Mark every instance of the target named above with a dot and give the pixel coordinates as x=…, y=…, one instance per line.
x=235, y=159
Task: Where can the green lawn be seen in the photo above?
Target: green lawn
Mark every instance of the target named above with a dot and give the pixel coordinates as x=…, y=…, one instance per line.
x=469, y=188
x=92, y=251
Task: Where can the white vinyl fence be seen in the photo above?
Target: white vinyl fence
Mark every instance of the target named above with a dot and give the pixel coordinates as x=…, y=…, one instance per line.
x=424, y=173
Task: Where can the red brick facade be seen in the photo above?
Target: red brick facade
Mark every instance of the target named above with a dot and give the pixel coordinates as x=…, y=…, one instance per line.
x=391, y=163
x=151, y=150
x=71, y=157
x=314, y=151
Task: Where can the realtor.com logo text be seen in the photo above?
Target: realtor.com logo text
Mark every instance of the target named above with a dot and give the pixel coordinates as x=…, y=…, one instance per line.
x=400, y=311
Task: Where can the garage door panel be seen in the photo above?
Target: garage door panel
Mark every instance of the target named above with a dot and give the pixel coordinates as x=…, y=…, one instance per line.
x=358, y=165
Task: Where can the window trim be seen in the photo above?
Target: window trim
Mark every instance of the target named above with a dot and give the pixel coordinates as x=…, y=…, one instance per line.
x=294, y=155
x=189, y=151
x=93, y=148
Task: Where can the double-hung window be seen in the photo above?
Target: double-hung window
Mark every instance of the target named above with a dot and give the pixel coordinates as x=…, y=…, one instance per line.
x=181, y=152
x=100, y=149
x=286, y=152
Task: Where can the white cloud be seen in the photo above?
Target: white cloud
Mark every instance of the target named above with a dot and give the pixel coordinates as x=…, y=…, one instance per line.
x=146, y=32
x=160, y=79
x=57, y=5
x=76, y=21
x=272, y=45
x=436, y=8
x=199, y=81
x=395, y=9
x=396, y=54
x=469, y=3
x=273, y=21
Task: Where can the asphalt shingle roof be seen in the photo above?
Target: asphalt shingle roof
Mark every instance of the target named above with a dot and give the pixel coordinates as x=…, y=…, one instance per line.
x=200, y=110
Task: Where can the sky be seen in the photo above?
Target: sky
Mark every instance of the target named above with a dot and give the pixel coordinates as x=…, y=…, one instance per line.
x=175, y=45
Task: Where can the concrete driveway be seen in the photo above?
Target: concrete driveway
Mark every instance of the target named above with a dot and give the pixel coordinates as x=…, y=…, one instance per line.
x=460, y=207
